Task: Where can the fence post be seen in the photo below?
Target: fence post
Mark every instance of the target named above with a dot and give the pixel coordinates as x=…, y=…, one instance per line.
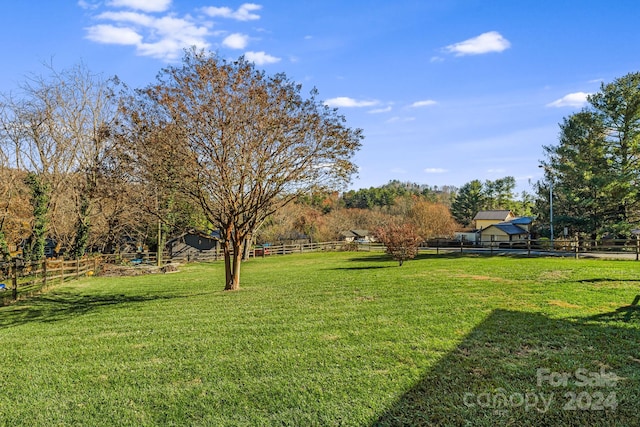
x=61, y=271
x=637, y=246
x=14, y=278
x=577, y=244
x=44, y=273
x=529, y=245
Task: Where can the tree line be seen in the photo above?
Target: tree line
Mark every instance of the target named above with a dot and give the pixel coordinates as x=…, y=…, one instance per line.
x=89, y=164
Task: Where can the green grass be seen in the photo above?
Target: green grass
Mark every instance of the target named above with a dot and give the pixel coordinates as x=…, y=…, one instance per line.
x=326, y=339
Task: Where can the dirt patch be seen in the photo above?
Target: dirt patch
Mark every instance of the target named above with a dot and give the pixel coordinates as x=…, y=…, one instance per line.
x=136, y=270
x=330, y=337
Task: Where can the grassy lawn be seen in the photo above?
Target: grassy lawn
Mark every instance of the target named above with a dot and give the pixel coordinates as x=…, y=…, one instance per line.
x=331, y=339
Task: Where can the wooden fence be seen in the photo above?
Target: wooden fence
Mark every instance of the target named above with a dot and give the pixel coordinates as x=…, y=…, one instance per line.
x=20, y=279
x=629, y=248
x=575, y=247
x=216, y=254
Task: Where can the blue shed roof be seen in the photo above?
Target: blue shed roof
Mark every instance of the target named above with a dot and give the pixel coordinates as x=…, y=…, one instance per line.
x=508, y=228
x=524, y=220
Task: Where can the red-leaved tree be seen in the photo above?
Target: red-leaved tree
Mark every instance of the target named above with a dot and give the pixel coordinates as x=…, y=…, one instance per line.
x=401, y=240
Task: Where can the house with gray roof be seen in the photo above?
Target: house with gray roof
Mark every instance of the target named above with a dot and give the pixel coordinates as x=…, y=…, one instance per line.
x=514, y=230
x=361, y=236
x=484, y=219
x=499, y=225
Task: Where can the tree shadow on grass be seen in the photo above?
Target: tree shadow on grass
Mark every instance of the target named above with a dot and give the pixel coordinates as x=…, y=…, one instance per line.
x=368, y=267
x=500, y=373
x=382, y=257
x=60, y=306
x=627, y=313
x=445, y=254
x=606, y=279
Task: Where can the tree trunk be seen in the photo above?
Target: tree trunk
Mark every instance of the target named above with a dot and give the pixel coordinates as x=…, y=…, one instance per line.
x=237, y=259
x=160, y=241
x=232, y=259
x=227, y=266
x=247, y=247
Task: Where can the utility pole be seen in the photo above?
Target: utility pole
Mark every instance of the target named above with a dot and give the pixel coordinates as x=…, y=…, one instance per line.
x=546, y=169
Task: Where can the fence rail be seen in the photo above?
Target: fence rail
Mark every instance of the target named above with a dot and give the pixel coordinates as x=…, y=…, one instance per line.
x=577, y=247
x=566, y=247
x=258, y=251
x=20, y=279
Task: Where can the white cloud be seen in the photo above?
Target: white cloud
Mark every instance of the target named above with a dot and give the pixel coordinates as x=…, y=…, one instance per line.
x=577, y=99
x=173, y=35
x=380, y=110
x=109, y=34
x=162, y=37
x=130, y=17
x=491, y=41
x=425, y=103
x=346, y=102
x=236, y=41
x=261, y=58
x=243, y=13
x=155, y=30
x=144, y=5
x=398, y=119
x=179, y=29
x=87, y=5
x=435, y=170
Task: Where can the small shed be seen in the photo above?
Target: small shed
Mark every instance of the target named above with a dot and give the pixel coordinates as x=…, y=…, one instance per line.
x=195, y=244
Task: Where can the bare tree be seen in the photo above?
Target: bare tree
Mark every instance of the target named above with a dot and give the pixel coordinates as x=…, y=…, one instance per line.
x=246, y=142
x=58, y=129
x=9, y=193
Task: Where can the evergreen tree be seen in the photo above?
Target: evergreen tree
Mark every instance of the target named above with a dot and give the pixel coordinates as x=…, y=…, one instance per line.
x=470, y=199
x=594, y=169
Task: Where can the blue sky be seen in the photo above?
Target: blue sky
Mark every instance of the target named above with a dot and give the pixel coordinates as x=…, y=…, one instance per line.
x=446, y=91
